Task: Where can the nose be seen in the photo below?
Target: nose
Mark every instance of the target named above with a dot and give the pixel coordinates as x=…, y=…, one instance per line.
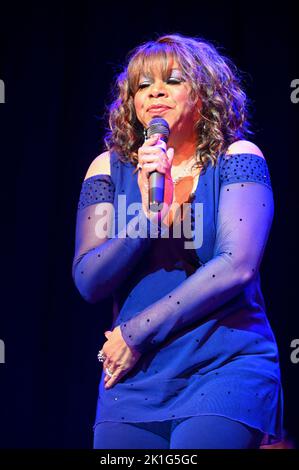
x=157, y=89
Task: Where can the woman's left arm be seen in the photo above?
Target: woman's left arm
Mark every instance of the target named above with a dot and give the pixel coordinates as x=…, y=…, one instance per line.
x=245, y=215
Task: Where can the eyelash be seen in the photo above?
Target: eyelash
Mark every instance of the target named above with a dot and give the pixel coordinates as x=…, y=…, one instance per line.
x=173, y=81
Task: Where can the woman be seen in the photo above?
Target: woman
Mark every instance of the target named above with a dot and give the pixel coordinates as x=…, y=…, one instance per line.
x=190, y=361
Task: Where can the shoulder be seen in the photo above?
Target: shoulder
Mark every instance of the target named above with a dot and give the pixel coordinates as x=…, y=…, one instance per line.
x=244, y=146
x=100, y=165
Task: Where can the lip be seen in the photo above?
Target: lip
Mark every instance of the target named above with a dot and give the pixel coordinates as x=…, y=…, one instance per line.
x=158, y=108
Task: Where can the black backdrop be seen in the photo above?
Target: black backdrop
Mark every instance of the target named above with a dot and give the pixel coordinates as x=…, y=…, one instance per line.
x=57, y=62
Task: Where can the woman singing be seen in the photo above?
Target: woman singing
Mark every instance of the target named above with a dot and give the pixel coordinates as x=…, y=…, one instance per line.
x=191, y=360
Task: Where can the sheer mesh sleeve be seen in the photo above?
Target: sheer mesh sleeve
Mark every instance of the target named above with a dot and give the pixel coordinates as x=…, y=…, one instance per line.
x=244, y=220
x=102, y=258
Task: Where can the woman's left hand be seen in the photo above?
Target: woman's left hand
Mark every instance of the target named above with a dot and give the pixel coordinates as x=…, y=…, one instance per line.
x=119, y=357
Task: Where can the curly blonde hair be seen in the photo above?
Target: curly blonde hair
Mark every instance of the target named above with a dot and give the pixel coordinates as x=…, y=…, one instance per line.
x=213, y=78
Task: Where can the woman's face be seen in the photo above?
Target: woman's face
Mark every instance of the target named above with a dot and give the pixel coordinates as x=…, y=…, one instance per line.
x=169, y=98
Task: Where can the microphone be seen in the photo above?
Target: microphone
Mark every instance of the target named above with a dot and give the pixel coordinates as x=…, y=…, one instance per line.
x=157, y=125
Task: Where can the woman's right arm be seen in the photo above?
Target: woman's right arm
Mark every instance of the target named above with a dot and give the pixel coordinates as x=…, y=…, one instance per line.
x=101, y=263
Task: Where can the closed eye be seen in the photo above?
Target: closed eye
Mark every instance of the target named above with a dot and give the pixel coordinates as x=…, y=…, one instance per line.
x=174, y=81
x=143, y=85
x=171, y=81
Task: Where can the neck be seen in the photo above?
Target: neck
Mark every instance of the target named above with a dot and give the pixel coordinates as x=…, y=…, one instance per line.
x=183, y=154
x=184, y=149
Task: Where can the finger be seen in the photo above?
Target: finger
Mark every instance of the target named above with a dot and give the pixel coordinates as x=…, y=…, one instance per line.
x=170, y=154
x=148, y=159
x=117, y=375
x=107, y=371
x=150, y=146
x=158, y=156
x=150, y=167
x=152, y=138
x=108, y=376
x=106, y=364
x=162, y=145
x=152, y=154
x=146, y=152
x=162, y=167
x=108, y=381
x=151, y=142
x=154, y=165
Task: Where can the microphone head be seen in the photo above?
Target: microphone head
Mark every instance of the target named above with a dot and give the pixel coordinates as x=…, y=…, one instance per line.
x=158, y=125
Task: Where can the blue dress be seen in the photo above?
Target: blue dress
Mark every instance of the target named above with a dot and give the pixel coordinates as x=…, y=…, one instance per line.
x=192, y=305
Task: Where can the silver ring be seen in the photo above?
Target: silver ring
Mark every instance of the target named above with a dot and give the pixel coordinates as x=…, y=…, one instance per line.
x=108, y=372
x=101, y=356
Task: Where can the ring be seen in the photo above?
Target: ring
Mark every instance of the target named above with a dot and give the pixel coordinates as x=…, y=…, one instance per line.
x=101, y=356
x=108, y=372
x=139, y=166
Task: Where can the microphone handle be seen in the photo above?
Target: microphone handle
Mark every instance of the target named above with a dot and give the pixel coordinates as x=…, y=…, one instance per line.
x=156, y=191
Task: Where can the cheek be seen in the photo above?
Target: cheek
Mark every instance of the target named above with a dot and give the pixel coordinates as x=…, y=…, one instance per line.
x=140, y=110
x=190, y=107
x=138, y=105
x=183, y=98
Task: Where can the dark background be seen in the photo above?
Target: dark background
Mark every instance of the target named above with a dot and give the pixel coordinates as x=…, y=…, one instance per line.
x=57, y=61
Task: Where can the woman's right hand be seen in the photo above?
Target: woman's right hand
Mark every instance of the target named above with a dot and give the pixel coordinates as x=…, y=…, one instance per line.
x=153, y=156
